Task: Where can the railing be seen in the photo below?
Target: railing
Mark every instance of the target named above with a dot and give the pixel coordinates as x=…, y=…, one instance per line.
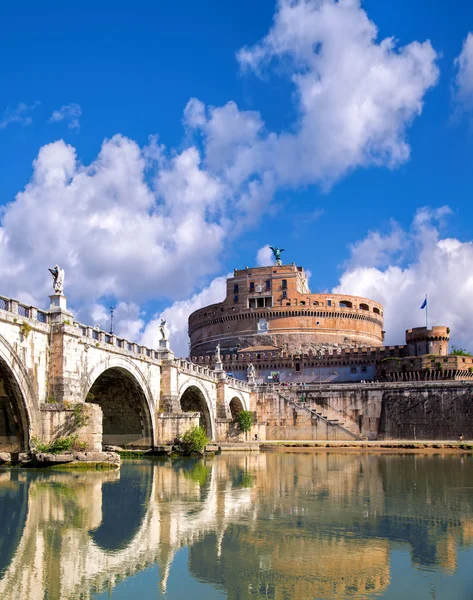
x=238, y=383
x=42, y=316
x=190, y=367
x=23, y=310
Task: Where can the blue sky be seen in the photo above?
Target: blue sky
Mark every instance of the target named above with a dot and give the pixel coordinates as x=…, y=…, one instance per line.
x=305, y=166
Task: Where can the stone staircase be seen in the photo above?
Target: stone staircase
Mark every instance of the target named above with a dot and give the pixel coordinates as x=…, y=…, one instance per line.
x=326, y=414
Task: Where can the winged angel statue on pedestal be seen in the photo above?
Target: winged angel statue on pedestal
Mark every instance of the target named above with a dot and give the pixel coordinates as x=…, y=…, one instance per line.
x=58, y=279
x=277, y=254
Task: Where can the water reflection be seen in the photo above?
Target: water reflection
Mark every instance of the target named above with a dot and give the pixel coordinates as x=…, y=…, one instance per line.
x=256, y=526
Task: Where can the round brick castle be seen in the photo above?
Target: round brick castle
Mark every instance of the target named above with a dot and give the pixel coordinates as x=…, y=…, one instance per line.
x=272, y=308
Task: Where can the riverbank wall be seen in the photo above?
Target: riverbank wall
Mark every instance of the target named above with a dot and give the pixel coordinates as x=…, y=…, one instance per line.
x=372, y=411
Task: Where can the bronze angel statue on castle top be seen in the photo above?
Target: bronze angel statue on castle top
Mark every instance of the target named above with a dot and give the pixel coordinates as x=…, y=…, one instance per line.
x=277, y=254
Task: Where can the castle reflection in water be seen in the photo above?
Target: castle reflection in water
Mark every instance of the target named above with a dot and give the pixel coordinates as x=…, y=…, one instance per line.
x=256, y=525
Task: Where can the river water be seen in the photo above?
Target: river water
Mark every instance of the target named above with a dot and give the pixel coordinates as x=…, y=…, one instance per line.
x=242, y=526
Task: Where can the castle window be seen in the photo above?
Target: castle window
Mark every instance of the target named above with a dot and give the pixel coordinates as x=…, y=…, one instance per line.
x=235, y=288
x=364, y=307
x=268, y=284
x=235, y=299
x=376, y=310
x=303, y=302
x=345, y=304
x=284, y=294
x=315, y=303
x=329, y=303
x=252, y=286
x=284, y=284
x=298, y=367
x=288, y=303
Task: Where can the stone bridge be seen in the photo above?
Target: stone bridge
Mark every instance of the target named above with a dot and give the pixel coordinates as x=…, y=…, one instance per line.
x=59, y=376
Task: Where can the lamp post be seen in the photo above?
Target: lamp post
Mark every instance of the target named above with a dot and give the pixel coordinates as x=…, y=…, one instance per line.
x=112, y=308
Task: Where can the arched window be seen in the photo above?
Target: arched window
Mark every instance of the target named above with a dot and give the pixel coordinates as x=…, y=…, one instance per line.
x=364, y=307
x=376, y=310
x=346, y=304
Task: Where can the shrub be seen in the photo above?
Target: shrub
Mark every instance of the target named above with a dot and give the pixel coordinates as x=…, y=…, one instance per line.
x=193, y=440
x=459, y=352
x=245, y=420
x=64, y=444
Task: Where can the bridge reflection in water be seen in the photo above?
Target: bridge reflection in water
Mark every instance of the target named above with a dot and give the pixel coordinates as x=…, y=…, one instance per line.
x=256, y=525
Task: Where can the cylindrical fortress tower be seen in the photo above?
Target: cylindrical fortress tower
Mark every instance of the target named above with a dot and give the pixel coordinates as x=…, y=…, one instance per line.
x=272, y=307
x=421, y=341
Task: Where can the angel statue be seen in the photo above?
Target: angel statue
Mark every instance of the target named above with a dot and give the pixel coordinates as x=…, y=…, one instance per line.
x=250, y=371
x=58, y=279
x=163, y=330
x=277, y=254
x=218, y=357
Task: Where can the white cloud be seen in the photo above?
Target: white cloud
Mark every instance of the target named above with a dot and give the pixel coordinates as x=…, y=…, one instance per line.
x=440, y=267
x=464, y=77
x=264, y=256
x=113, y=232
x=20, y=114
x=356, y=96
x=177, y=314
x=69, y=113
x=127, y=319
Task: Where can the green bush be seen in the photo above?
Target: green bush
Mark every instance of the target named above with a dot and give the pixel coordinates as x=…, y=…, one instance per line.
x=192, y=441
x=65, y=444
x=245, y=420
x=459, y=352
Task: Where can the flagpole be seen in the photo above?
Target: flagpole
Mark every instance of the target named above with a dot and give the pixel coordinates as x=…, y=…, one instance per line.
x=426, y=313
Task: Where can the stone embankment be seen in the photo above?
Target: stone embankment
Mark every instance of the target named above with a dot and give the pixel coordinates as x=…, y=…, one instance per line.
x=89, y=460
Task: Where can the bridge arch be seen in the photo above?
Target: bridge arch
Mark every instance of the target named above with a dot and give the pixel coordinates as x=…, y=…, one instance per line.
x=119, y=387
x=236, y=406
x=19, y=410
x=194, y=398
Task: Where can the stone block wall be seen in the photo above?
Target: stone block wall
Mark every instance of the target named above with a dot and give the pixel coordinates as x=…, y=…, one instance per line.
x=416, y=411
x=169, y=426
x=443, y=412
x=228, y=431
x=60, y=421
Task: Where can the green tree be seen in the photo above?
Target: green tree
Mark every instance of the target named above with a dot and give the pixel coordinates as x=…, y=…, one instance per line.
x=245, y=420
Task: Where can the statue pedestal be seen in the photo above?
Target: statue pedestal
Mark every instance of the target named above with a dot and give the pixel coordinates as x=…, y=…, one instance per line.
x=164, y=346
x=58, y=309
x=218, y=366
x=251, y=380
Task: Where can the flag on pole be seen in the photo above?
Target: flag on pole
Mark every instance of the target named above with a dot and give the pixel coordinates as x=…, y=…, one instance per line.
x=424, y=303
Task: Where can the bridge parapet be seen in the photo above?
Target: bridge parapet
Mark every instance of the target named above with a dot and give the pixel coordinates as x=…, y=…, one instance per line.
x=239, y=384
x=23, y=310
x=99, y=336
x=189, y=367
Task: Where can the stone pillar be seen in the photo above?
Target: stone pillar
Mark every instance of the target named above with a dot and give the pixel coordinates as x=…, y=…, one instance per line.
x=169, y=399
x=64, y=376
x=58, y=309
x=223, y=411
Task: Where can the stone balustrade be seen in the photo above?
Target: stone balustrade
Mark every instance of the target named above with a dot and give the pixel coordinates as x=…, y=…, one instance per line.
x=23, y=310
